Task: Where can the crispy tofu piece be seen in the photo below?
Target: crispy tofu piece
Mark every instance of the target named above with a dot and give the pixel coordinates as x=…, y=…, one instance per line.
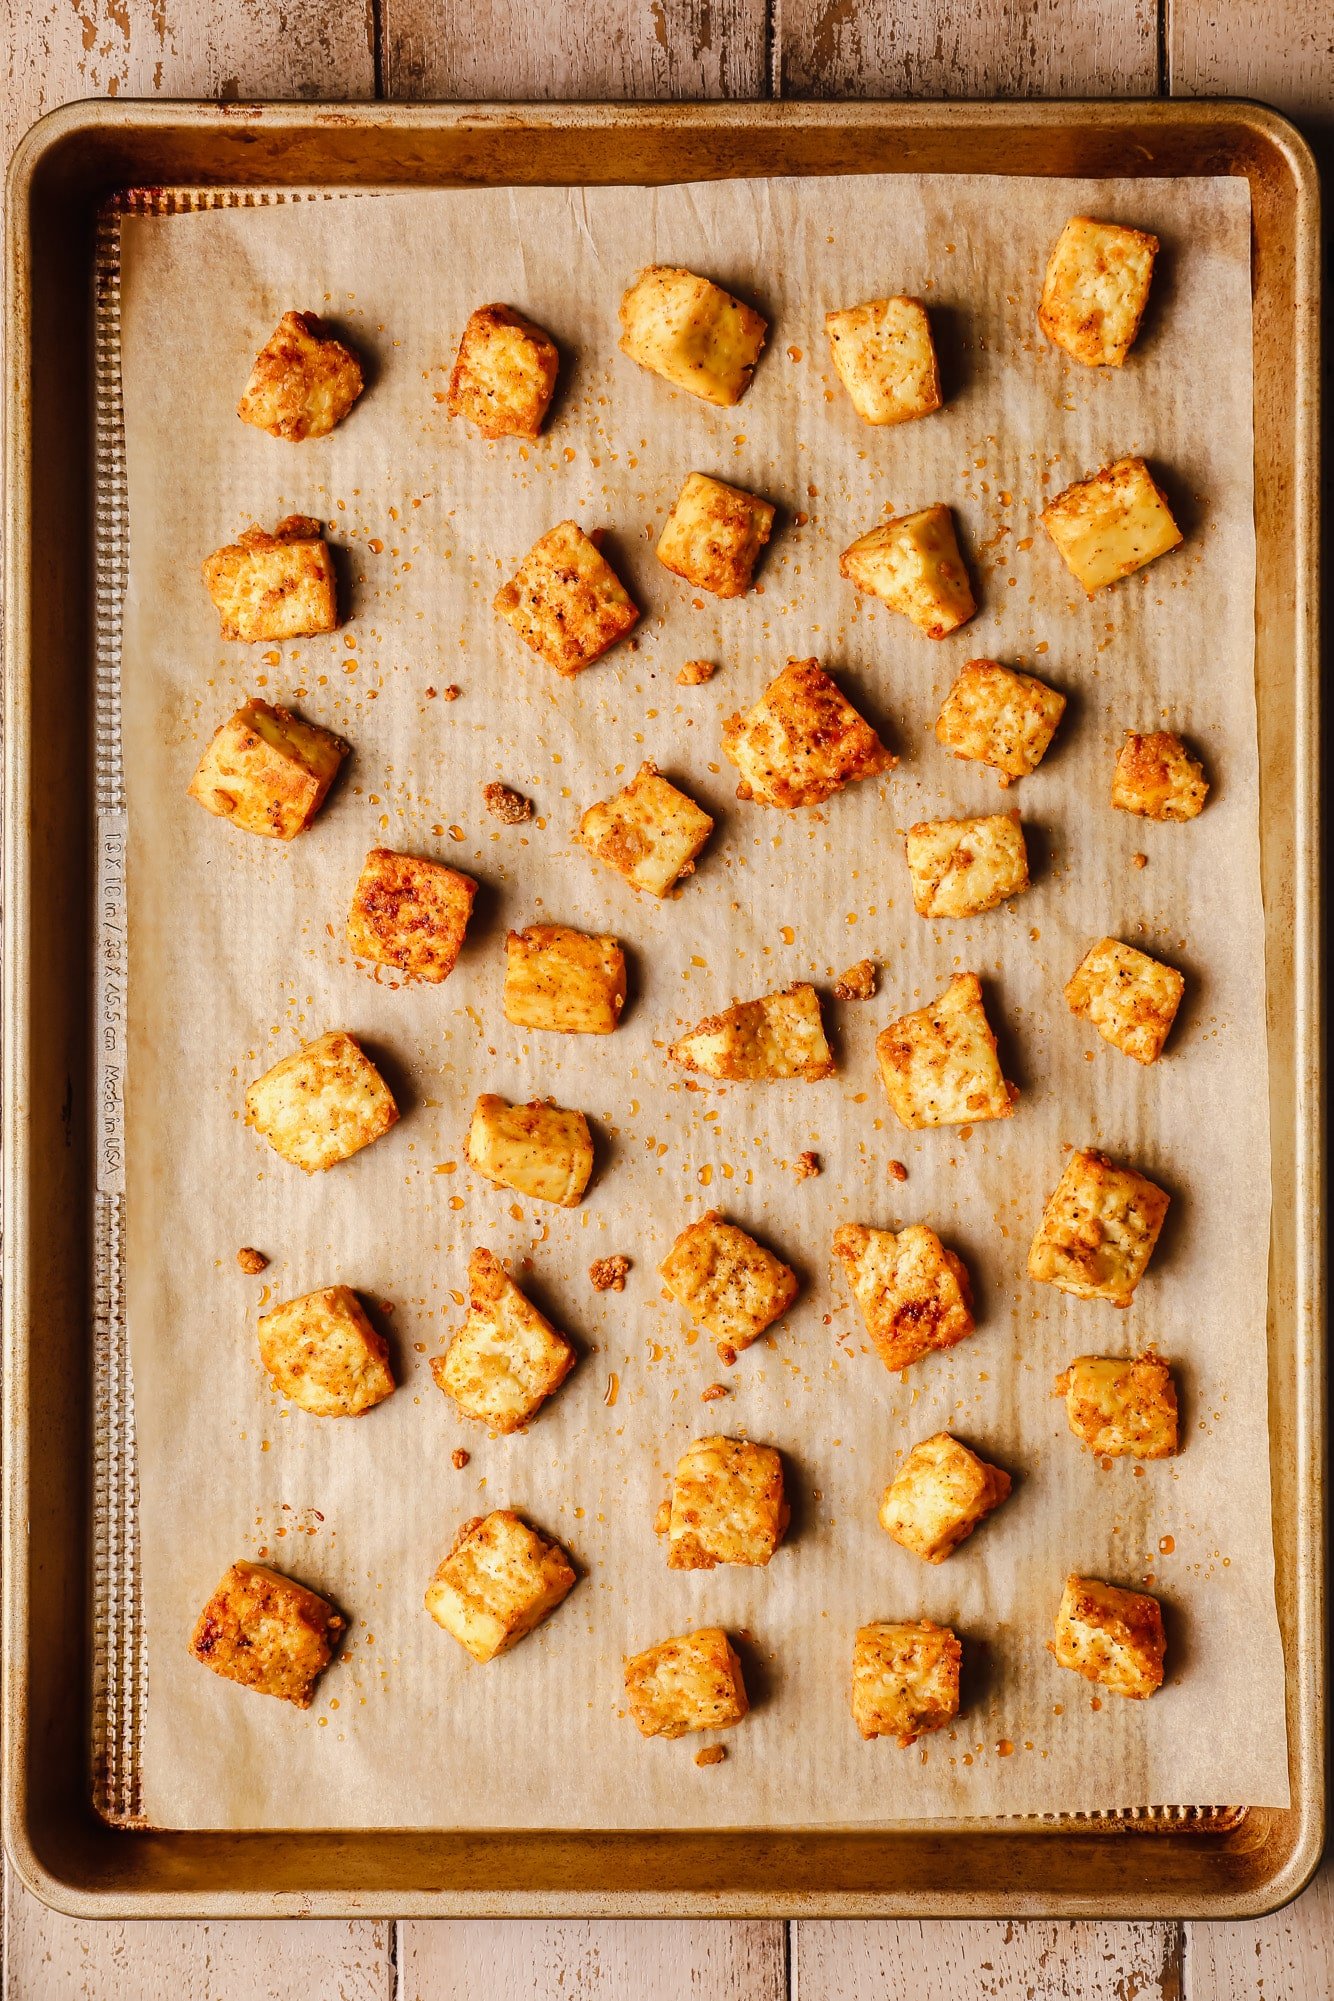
x=959, y=868
x=938, y=1496
x=507, y=1358
x=267, y=1632
x=323, y=1353
x=274, y=587
x=565, y=601
x=856, y=982
x=1111, y=1636
x=1096, y=289
x=1098, y=1230
x=1157, y=778
x=693, y=1682
x=913, y=565
x=500, y=1579
x=802, y=742
x=303, y=382
x=267, y=771
x=410, y=913
x=1129, y=998
x=905, y=1679
x=994, y=715
x=913, y=1294
x=779, y=1036
x=939, y=1065
x=566, y=981
x=321, y=1104
x=714, y=535
x=504, y=374
x=650, y=832
x=540, y=1150
x=692, y=333
x=1121, y=1408
x=727, y=1281
x=727, y=1505
x=1111, y=525
x=885, y=359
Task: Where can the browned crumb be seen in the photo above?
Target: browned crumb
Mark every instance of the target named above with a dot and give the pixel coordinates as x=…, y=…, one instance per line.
x=251, y=1261
x=608, y=1274
x=713, y=1392
x=805, y=1165
x=694, y=672
x=451, y=693
x=858, y=983
x=898, y=1170
x=459, y=1458
x=712, y=1754
x=1140, y=861
x=726, y=1354
x=662, y=1521
x=506, y=804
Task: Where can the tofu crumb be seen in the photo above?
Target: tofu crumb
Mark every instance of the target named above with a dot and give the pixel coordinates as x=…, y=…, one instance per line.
x=898, y=1171
x=451, y=693
x=805, y=1165
x=251, y=1261
x=662, y=1521
x=695, y=672
x=459, y=1458
x=726, y=1354
x=1139, y=861
x=506, y=804
x=858, y=983
x=713, y=1392
x=712, y=1754
x=608, y=1274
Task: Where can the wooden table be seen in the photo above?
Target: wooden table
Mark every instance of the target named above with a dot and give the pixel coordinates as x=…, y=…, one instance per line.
x=61, y=49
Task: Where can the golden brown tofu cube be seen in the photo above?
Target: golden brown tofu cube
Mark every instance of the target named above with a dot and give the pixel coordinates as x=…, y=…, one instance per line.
x=1111, y=525
x=913, y=1294
x=959, y=868
x=938, y=1496
x=540, y=1150
x=1129, y=998
x=779, y=1036
x=886, y=359
x=1098, y=1230
x=500, y=1579
x=939, y=1065
x=1121, y=1409
x=994, y=715
x=303, y=382
x=267, y=1632
x=1096, y=289
x=504, y=374
x=690, y=1683
x=267, y=771
x=410, y=913
x=727, y=1505
x=714, y=536
x=507, y=1358
x=1111, y=1636
x=565, y=601
x=324, y=1354
x=905, y=1679
x=566, y=981
x=650, y=832
x=913, y=565
x=802, y=742
x=1157, y=778
x=274, y=587
x=321, y=1104
x=726, y=1281
x=692, y=333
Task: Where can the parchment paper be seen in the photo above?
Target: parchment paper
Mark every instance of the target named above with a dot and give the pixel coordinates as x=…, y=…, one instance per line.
x=237, y=954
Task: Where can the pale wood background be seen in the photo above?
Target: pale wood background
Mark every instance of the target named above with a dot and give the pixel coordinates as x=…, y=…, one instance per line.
x=55, y=50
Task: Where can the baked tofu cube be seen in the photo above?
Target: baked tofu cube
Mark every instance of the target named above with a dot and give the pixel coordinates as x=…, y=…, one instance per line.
x=504, y=374
x=779, y=1036
x=410, y=913
x=1096, y=289
x=938, y=1496
x=905, y=1679
x=802, y=742
x=1111, y=525
x=994, y=715
x=303, y=382
x=323, y=1353
x=714, y=536
x=939, y=1065
x=1098, y=1230
x=913, y=1294
x=507, y=1358
x=727, y=1505
x=1129, y=998
x=692, y=333
x=500, y=1579
x=321, y=1104
x=959, y=868
x=274, y=587
x=886, y=359
x=726, y=1281
x=565, y=601
x=267, y=771
x=650, y=832
x=566, y=981
x=1157, y=778
x=1111, y=1636
x=268, y=1632
x=540, y=1150
x=1121, y=1409
x=913, y=565
x=690, y=1683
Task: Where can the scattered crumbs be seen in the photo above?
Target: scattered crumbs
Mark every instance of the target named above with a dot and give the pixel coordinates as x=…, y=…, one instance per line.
x=726, y=1354
x=805, y=1165
x=608, y=1274
x=712, y=1754
x=506, y=804
x=713, y=1392
x=251, y=1261
x=858, y=983
x=1139, y=861
x=898, y=1172
x=449, y=694
x=459, y=1458
x=695, y=672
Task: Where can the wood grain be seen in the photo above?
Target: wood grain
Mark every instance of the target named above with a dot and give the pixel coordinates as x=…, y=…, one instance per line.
x=594, y=1961
x=1281, y=53
x=1003, y=1962
x=1289, y=1957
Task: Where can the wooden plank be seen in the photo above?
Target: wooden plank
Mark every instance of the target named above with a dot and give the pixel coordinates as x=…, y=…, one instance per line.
x=594, y=1961
x=905, y=1960
x=1280, y=51
x=1289, y=1955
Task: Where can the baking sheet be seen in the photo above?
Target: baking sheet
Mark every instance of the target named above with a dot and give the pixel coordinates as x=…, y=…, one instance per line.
x=236, y=955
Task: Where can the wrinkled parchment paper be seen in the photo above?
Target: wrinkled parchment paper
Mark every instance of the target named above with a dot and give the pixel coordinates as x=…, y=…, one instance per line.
x=237, y=954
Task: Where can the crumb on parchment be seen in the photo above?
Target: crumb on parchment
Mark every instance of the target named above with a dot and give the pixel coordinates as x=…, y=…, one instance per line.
x=451, y=693
x=713, y=1392
x=712, y=1754
x=805, y=1165
x=1139, y=861
x=857, y=983
x=898, y=1171
x=608, y=1274
x=459, y=1458
x=695, y=673
x=507, y=804
x=251, y=1261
